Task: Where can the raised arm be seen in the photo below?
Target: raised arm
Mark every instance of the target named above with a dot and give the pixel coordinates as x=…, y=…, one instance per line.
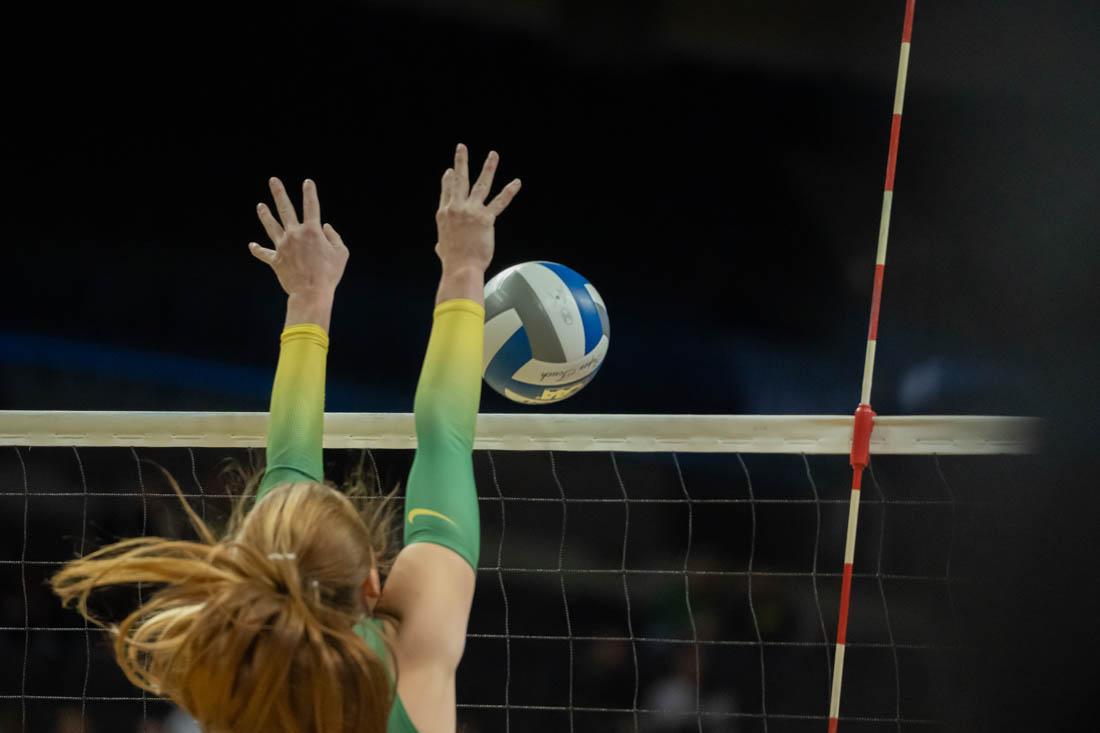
x=308, y=260
x=431, y=586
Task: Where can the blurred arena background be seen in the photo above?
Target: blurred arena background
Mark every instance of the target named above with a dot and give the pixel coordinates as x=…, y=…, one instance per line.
x=714, y=168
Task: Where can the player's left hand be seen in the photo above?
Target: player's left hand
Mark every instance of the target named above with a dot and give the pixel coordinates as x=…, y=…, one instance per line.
x=308, y=258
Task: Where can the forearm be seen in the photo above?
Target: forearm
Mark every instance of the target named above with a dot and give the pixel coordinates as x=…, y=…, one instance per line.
x=441, y=506
x=461, y=281
x=449, y=388
x=296, y=425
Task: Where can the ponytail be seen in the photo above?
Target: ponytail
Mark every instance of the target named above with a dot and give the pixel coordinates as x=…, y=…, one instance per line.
x=253, y=632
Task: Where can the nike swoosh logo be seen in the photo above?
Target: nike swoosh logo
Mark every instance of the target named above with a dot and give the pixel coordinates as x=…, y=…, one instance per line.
x=428, y=513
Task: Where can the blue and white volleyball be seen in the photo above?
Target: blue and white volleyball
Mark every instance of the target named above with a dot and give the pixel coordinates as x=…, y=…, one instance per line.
x=546, y=332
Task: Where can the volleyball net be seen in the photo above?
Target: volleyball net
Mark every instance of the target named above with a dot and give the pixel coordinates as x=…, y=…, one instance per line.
x=638, y=573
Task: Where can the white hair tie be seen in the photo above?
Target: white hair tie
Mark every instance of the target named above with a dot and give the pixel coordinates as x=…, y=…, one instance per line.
x=281, y=556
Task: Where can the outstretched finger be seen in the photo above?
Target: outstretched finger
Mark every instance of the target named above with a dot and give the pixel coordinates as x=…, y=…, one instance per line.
x=311, y=205
x=272, y=227
x=462, y=173
x=333, y=236
x=485, y=180
x=502, y=199
x=263, y=254
x=287, y=215
x=446, y=187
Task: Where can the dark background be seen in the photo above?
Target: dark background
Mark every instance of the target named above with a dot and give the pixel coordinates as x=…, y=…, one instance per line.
x=715, y=169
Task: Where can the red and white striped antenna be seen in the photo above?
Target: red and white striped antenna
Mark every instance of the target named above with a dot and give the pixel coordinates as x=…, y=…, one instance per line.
x=865, y=416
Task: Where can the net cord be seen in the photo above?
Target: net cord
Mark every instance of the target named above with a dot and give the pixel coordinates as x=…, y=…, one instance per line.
x=752, y=606
x=687, y=594
x=626, y=592
x=883, y=506
x=87, y=631
x=561, y=581
x=504, y=598
x=26, y=600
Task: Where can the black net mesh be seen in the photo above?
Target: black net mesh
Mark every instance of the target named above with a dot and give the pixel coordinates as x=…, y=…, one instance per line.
x=618, y=591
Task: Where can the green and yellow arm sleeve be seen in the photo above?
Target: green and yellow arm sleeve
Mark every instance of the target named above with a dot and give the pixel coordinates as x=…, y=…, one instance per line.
x=296, y=428
x=441, y=502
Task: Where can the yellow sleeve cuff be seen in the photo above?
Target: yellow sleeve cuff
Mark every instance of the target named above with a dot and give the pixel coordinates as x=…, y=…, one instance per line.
x=460, y=304
x=306, y=332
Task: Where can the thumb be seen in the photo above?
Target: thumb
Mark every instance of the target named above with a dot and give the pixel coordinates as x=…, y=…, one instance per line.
x=263, y=254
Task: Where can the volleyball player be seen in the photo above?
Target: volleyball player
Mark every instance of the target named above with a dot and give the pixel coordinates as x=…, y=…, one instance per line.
x=283, y=625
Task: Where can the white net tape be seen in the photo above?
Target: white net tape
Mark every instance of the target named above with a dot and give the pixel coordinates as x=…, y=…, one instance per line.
x=809, y=434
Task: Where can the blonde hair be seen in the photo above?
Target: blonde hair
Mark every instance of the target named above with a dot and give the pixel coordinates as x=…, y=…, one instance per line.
x=254, y=631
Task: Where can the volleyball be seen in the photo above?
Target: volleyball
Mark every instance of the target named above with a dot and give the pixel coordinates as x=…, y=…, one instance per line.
x=546, y=332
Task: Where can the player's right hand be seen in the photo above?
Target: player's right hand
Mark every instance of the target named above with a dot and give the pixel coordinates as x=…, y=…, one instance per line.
x=464, y=221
